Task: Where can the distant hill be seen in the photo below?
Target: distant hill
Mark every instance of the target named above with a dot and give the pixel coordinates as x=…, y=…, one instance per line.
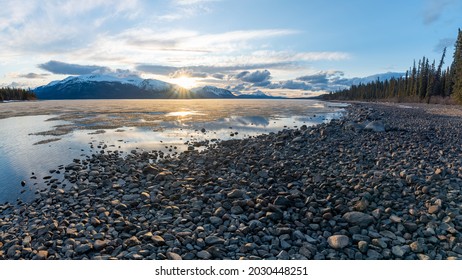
x=373, y=78
x=9, y=94
x=255, y=95
x=212, y=92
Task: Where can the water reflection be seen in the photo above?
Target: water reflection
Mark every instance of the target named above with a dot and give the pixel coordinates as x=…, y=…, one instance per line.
x=166, y=126
x=182, y=114
x=251, y=120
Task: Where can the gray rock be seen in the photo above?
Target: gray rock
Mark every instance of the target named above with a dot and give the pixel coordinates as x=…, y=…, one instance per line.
x=411, y=227
x=297, y=140
x=216, y=220
x=376, y=213
x=376, y=126
x=283, y=255
x=237, y=193
x=285, y=245
x=237, y=210
x=255, y=224
x=149, y=169
x=204, y=255
x=398, y=251
x=338, y=241
x=275, y=216
x=83, y=248
x=457, y=249
x=379, y=242
x=358, y=218
x=281, y=201
x=213, y=240
x=374, y=255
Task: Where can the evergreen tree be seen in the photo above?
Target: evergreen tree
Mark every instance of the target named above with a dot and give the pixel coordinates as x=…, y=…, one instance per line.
x=422, y=82
x=457, y=69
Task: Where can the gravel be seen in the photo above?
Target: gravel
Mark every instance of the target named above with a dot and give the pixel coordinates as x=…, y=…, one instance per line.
x=333, y=191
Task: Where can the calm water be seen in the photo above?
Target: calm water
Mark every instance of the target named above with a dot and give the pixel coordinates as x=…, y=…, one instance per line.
x=37, y=137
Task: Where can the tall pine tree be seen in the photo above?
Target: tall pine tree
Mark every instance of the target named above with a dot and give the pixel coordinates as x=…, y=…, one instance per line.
x=421, y=82
x=457, y=69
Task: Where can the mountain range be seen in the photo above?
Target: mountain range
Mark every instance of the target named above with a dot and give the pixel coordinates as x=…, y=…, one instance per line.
x=100, y=86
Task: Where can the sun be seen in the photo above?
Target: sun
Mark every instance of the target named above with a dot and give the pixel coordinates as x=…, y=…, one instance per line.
x=185, y=82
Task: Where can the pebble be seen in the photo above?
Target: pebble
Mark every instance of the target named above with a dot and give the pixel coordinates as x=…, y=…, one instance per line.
x=398, y=251
x=395, y=219
x=338, y=241
x=416, y=247
x=132, y=241
x=158, y=240
x=333, y=191
x=433, y=209
x=83, y=248
x=237, y=193
x=41, y=255
x=213, y=240
x=363, y=246
x=100, y=244
x=174, y=256
x=204, y=255
x=358, y=218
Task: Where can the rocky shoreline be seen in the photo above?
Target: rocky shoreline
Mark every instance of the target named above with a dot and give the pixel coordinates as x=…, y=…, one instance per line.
x=382, y=183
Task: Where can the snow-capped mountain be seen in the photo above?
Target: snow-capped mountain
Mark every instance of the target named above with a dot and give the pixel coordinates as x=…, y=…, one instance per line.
x=131, y=80
x=255, y=94
x=373, y=78
x=104, y=86
x=107, y=87
x=212, y=92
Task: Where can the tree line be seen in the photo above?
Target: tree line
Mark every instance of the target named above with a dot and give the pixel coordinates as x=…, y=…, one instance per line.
x=421, y=83
x=16, y=94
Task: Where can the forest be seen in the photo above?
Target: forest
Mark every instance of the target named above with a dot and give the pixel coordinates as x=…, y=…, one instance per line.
x=424, y=82
x=16, y=94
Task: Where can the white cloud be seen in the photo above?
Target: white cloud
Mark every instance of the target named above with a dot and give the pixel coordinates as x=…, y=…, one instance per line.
x=434, y=9
x=127, y=34
x=183, y=9
x=191, y=2
x=180, y=48
x=57, y=26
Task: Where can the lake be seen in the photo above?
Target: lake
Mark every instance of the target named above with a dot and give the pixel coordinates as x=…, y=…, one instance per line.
x=37, y=139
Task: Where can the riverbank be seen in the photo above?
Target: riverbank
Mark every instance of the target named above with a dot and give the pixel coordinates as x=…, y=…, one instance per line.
x=341, y=190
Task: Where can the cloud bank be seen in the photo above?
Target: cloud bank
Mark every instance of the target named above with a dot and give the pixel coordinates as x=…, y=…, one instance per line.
x=57, y=67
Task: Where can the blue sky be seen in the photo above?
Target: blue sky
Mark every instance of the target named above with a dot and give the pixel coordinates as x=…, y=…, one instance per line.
x=284, y=47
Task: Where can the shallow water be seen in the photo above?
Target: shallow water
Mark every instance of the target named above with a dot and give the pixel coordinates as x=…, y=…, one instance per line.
x=37, y=137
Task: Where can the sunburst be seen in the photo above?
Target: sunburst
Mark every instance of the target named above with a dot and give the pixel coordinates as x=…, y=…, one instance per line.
x=185, y=82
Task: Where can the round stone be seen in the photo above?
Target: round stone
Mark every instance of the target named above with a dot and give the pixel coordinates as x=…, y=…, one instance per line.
x=338, y=241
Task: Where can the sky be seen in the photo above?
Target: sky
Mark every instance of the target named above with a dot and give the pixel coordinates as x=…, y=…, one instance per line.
x=279, y=47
